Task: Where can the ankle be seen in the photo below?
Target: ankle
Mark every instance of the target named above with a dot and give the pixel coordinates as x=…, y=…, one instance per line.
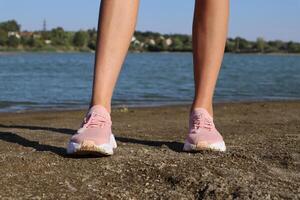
x=107, y=106
x=208, y=107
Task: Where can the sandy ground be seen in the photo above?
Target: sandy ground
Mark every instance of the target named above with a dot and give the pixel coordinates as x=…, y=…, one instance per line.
x=262, y=161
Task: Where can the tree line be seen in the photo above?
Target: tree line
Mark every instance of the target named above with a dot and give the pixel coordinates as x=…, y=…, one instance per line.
x=12, y=38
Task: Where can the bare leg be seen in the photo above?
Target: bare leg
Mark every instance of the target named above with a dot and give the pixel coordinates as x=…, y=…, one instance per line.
x=209, y=38
x=117, y=22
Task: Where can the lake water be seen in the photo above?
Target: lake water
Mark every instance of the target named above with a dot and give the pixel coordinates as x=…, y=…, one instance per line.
x=64, y=80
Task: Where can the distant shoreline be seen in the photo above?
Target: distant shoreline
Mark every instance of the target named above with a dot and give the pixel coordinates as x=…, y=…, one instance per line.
x=13, y=38
x=90, y=51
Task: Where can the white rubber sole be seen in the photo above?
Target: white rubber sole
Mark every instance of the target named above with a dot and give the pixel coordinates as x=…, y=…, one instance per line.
x=219, y=146
x=89, y=147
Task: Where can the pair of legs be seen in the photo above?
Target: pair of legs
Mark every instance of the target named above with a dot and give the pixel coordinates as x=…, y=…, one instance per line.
x=117, y=22
x=116, y=26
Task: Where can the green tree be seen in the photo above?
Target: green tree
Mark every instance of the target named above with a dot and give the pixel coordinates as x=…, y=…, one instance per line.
x=35, y=42
x=10, y=25
x=293, y=47
x=260, y=44
x=177, y=44
x=59, y=37
x=161, y=44
x=46, y=35
x=275, y=46
x=92, y=45
x=13, y=41
x=3, y=37
x=80, y=39
x=24, y=41
x=230, y=45
x=187, y=43
x=92, y=38
x=241, y=44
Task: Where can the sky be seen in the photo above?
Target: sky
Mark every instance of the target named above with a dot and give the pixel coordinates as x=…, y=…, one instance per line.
x=270, y=19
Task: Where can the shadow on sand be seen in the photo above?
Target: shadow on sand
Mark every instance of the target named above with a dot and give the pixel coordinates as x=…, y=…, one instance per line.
x=14, y=138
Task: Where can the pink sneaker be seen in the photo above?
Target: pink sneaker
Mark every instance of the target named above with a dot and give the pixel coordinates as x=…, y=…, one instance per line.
x=203, y=134
x=94, y=136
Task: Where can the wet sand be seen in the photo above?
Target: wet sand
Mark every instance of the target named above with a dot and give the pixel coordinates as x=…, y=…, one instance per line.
x=262, y=161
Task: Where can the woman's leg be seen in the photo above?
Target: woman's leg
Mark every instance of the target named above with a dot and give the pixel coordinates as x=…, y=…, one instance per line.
x=209, y=38
x=117, y=22
x=116, y=26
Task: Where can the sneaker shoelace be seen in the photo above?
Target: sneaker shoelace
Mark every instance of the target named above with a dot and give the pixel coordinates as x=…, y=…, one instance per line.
x=95, y=120
x=200, y=121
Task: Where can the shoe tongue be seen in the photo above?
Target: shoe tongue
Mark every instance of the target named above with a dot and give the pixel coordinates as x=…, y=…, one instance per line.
x=203, y=111
x=99, y=110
